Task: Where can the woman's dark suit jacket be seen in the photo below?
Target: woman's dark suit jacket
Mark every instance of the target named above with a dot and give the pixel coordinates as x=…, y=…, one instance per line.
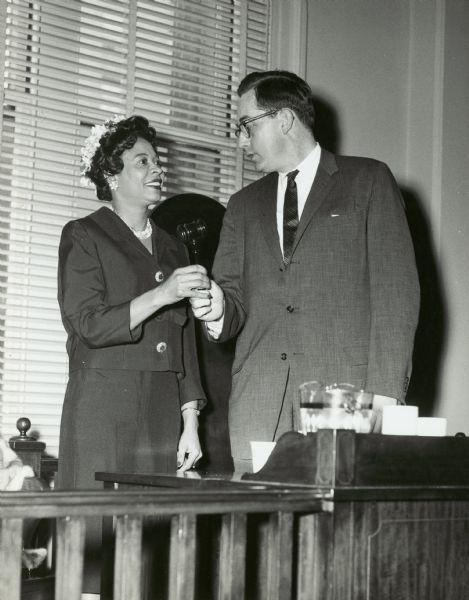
x=102, y=267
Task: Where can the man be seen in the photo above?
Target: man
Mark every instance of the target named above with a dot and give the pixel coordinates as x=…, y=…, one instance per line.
x=315, y=269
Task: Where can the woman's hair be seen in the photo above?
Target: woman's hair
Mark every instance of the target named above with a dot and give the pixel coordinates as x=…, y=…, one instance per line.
x=117, y=137
x=281, y=89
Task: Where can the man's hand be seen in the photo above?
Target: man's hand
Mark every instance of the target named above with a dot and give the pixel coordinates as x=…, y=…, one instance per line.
x=210, y=308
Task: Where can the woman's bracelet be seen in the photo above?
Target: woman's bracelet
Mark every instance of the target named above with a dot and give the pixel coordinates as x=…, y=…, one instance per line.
x=197, y=411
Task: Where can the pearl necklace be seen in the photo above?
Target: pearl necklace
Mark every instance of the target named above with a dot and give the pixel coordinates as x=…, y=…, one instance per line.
x=143, y=234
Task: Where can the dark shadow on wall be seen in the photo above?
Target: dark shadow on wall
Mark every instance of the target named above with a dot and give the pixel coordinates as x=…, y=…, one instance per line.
x=431, y=331
x=326, y=125
x=430, y=337
x=215, y=360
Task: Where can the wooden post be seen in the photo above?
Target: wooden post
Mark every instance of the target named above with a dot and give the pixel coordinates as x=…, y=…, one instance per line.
x=315, y=556
x=10, y=558
x=28, y=449
x=182, y=558
x=69, y=565
x=279, y=556
x=128, y=561
x=232, y=557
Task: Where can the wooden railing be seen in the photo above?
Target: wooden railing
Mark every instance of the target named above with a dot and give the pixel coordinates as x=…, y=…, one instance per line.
x=291, y=532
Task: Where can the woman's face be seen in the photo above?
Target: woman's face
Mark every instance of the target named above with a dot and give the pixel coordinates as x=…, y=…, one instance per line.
x=141, y=179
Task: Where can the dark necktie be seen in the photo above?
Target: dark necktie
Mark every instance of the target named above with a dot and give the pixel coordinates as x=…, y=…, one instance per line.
x=290, y=216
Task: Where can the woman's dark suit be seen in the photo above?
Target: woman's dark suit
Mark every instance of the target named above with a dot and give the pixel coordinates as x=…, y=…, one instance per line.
x=126, y=388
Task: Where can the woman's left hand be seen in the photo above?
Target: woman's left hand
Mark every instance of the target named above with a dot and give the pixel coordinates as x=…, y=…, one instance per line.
x=189, y=451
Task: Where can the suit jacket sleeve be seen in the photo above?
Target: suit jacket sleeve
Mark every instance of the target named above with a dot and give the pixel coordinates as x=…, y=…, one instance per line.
x=228, y=268
x=82, y=293
x=190, y=386
x=394, y=289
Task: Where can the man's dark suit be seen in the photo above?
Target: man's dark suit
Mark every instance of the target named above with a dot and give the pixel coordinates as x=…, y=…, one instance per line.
x=344, y=310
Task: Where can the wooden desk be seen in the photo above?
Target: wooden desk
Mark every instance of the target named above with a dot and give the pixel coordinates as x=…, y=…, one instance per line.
x=378, y=541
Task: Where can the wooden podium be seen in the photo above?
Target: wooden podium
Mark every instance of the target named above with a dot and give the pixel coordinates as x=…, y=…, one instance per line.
x=342, y=458
x=394, y=516
x=399, y=524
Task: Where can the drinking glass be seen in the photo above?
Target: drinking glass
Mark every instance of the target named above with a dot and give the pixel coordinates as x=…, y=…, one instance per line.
x=338, y=406
x=310, y=405
x=364, y=417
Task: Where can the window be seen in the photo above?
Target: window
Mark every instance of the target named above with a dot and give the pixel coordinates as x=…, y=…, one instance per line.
x=71, y=65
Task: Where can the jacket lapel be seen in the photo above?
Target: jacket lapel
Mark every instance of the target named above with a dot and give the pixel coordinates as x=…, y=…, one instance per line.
x=166, y=256
x=267, y=204
x=323, y=183
x=266, y=208
x=166, y=251
x=118, y=231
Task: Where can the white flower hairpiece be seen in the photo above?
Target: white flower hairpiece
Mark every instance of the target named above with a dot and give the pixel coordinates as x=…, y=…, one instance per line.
x=92, y=143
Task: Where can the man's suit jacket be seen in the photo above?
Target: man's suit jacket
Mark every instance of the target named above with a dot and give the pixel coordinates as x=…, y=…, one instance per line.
x=102, y=267
x=344, y=310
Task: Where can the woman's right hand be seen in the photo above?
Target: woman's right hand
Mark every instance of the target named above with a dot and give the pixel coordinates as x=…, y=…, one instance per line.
x=186, y=282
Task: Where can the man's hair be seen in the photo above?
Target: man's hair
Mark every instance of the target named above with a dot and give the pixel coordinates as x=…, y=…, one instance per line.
x=281, y=89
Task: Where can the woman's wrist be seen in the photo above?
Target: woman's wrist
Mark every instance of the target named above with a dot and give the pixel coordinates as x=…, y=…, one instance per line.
x=158, y=298
x=190, y=415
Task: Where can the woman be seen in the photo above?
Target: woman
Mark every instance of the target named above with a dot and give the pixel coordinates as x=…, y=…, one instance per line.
x=122, y=282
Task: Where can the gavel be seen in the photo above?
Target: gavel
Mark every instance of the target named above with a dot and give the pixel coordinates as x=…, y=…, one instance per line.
x=191, y=234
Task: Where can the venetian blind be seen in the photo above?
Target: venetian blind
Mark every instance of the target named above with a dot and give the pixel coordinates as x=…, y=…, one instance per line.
x=67, y=66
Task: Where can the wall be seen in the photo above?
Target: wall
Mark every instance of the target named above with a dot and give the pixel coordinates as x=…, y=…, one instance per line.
x=454, y=236
x=391, y=82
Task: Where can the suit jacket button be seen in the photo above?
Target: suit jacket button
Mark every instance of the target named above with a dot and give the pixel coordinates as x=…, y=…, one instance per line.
x=290, y=309
x=159, y=276
x=283, y=356
x=161, y=347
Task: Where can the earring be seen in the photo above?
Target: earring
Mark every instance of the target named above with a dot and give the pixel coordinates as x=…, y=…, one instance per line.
x=112, y=182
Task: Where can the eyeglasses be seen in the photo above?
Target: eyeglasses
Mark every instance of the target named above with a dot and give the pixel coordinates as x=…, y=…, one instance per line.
x=241, y=127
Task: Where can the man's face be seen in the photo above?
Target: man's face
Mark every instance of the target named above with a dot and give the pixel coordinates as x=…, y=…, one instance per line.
x=265, y=144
